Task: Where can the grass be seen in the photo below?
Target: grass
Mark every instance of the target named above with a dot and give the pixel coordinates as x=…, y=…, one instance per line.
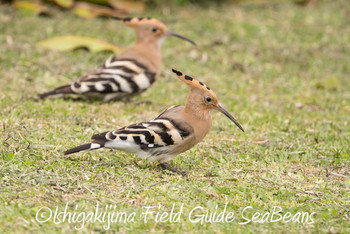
x=282, y=69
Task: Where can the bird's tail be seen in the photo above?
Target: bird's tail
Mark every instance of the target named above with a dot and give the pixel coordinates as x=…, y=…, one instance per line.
x=58, y=91
x=98, y=141
x=85, y=147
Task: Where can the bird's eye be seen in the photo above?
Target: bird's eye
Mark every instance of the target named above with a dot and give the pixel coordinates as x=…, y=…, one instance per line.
x=154, y=30
x=208, y=99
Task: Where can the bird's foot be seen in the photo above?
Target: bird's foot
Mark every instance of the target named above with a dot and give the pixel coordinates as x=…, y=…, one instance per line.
x=166, y=166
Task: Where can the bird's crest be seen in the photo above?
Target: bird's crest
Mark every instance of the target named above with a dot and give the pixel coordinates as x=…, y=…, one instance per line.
x=192, y=82
x=137, y=21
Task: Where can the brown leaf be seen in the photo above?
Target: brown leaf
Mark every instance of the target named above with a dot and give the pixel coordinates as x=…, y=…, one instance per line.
x=64, y=3
x=66, y=43
x=90, y=11
x=129, y=6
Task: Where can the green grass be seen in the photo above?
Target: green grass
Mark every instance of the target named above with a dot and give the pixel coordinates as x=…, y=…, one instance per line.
x=283, y=71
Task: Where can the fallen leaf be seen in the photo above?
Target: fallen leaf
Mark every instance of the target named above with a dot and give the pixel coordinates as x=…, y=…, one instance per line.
x=65, y=43
x=130, y=6
x=29, y=7
x=64, y=3
x=91, y=11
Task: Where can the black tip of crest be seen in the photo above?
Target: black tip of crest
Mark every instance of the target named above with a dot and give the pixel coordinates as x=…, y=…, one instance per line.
x=177, y=72
x=122, y=19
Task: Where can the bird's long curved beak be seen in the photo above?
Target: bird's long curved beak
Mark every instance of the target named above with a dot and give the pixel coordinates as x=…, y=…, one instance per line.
x=171, y=33
x=225, y=112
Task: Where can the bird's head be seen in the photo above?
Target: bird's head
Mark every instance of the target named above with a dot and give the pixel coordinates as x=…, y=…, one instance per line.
x=151, y=30
x=202, y=98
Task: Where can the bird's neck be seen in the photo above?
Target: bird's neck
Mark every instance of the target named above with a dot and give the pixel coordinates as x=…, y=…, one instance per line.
x=151, y=52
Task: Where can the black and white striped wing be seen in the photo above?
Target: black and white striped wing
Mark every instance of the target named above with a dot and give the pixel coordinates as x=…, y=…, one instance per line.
x=124, y=76
x=148, y=139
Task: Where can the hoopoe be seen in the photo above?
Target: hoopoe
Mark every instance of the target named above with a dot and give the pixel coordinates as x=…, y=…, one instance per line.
x=128, y=73
x=173, y=132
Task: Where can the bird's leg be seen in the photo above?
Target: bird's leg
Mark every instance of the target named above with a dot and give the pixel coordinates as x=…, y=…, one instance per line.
x=173, y=169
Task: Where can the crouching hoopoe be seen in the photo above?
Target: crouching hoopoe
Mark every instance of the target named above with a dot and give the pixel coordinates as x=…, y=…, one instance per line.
x=128, y=73
x=174, y=131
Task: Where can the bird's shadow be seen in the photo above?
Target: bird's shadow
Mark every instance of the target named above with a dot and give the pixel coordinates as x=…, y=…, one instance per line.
x=93, y=100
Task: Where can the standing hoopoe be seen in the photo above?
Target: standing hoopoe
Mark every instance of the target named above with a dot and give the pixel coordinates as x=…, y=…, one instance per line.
x=174, y=131
x=128, y=73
